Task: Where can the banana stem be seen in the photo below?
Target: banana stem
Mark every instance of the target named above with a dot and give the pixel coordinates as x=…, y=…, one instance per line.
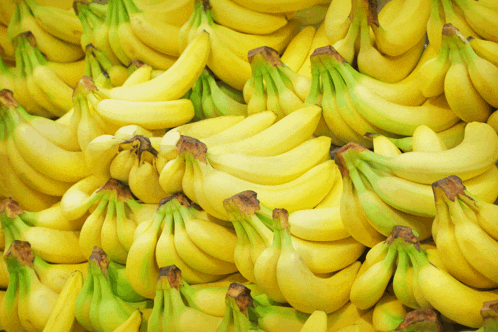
x=131, y=7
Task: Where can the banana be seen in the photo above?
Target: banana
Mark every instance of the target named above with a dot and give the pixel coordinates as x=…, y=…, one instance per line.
x=60, y=23
x=427, y=167
x=242, y=252
x=277, y=319
x=383, y=146
x=240, y=18
x=62, y=317
x=435, y=112
x=150, y=191
x=316, y=322
x=211, y=301
x=432, y=73
x=9, y=313
x=486, y=49
x=333, y=198
x=337, y=20
x=482, y=74
x=55, y=49
x=132, y=323
x=386, y=68
x=194, y=58
x=278, y=6
x=36, y=301
x=403, y=32
x=449, y=250
x=369, y=287
x=187, y=319
x=274, y=140
x=114, y=11
x=318, y=225
x=176, y=13
x=403, y=281
x=134, y=47
x=291, y=268
x=100, y=154
x=153, y=115
x=84, y=299
x=480, y=18
x=55, y=275
x=462, y=96
x=432, y=280
x=295, y=53
x=388, y=314
x=353, y=217
x=425, y=139
x=314, y=151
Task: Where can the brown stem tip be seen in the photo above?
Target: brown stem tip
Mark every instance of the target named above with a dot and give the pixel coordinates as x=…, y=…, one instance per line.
x=490, y=309
x=21, y=250
x=192, y=145
x=242, y=296
x=99, y=257
x=173, y=274
x=452, y=186
x=246, y=202
x=122, y=189
x=404, y=233
x=426, y=318
x=267, y=53
x=182, y=199
x=7, y=98
x=10, y=208
x=281, y=217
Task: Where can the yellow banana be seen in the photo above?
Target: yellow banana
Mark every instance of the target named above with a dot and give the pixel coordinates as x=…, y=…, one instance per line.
x=317, y=322
x=295, y=53
x=486, y=49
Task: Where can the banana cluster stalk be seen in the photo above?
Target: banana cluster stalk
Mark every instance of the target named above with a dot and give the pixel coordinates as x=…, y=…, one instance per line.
x=275, y=265
x=179, y=234
x=384, y=46
x=211, y=98
x=470, y=81
x=52, y=29
x=461, y=242
x=99, y=306
x=229, y=48
x=273, y=85
x=40, y=156
x=421, y=319
x=474, y=20
x=433, y=287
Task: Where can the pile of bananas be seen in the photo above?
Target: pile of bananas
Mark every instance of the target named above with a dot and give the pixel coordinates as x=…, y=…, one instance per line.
x=249, y=165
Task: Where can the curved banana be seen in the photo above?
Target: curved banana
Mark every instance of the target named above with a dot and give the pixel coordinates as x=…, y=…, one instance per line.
x=295, y=53
x=327, y=294
x=316, y=322
x=78, y=199
x=175, y=78
x=486, y=49
x=277, y=6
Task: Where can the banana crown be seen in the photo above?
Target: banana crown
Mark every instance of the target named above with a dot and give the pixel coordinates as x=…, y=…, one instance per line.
x=421, y=319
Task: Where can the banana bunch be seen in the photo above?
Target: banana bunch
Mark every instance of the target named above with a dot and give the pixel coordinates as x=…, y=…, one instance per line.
x=264, y=147
x=103, y=72
x=169, y=237
x=57, y=31
x=111, y=217
x=475, y=20
x=42, y=87
x=28, y=303
x=388, y=313
x=372, y=203
x=470, y=82
x=352, y=109
x=62, y=317
x=435, y=288
x=98, y=306
x=213, y=98
x=229, y=48
x=457, y=234
x=384, y=46
x=277, y=265
x=50, y=244
x=42, y=157
x=273, y=85
x=131, y=157
x=170, y=311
